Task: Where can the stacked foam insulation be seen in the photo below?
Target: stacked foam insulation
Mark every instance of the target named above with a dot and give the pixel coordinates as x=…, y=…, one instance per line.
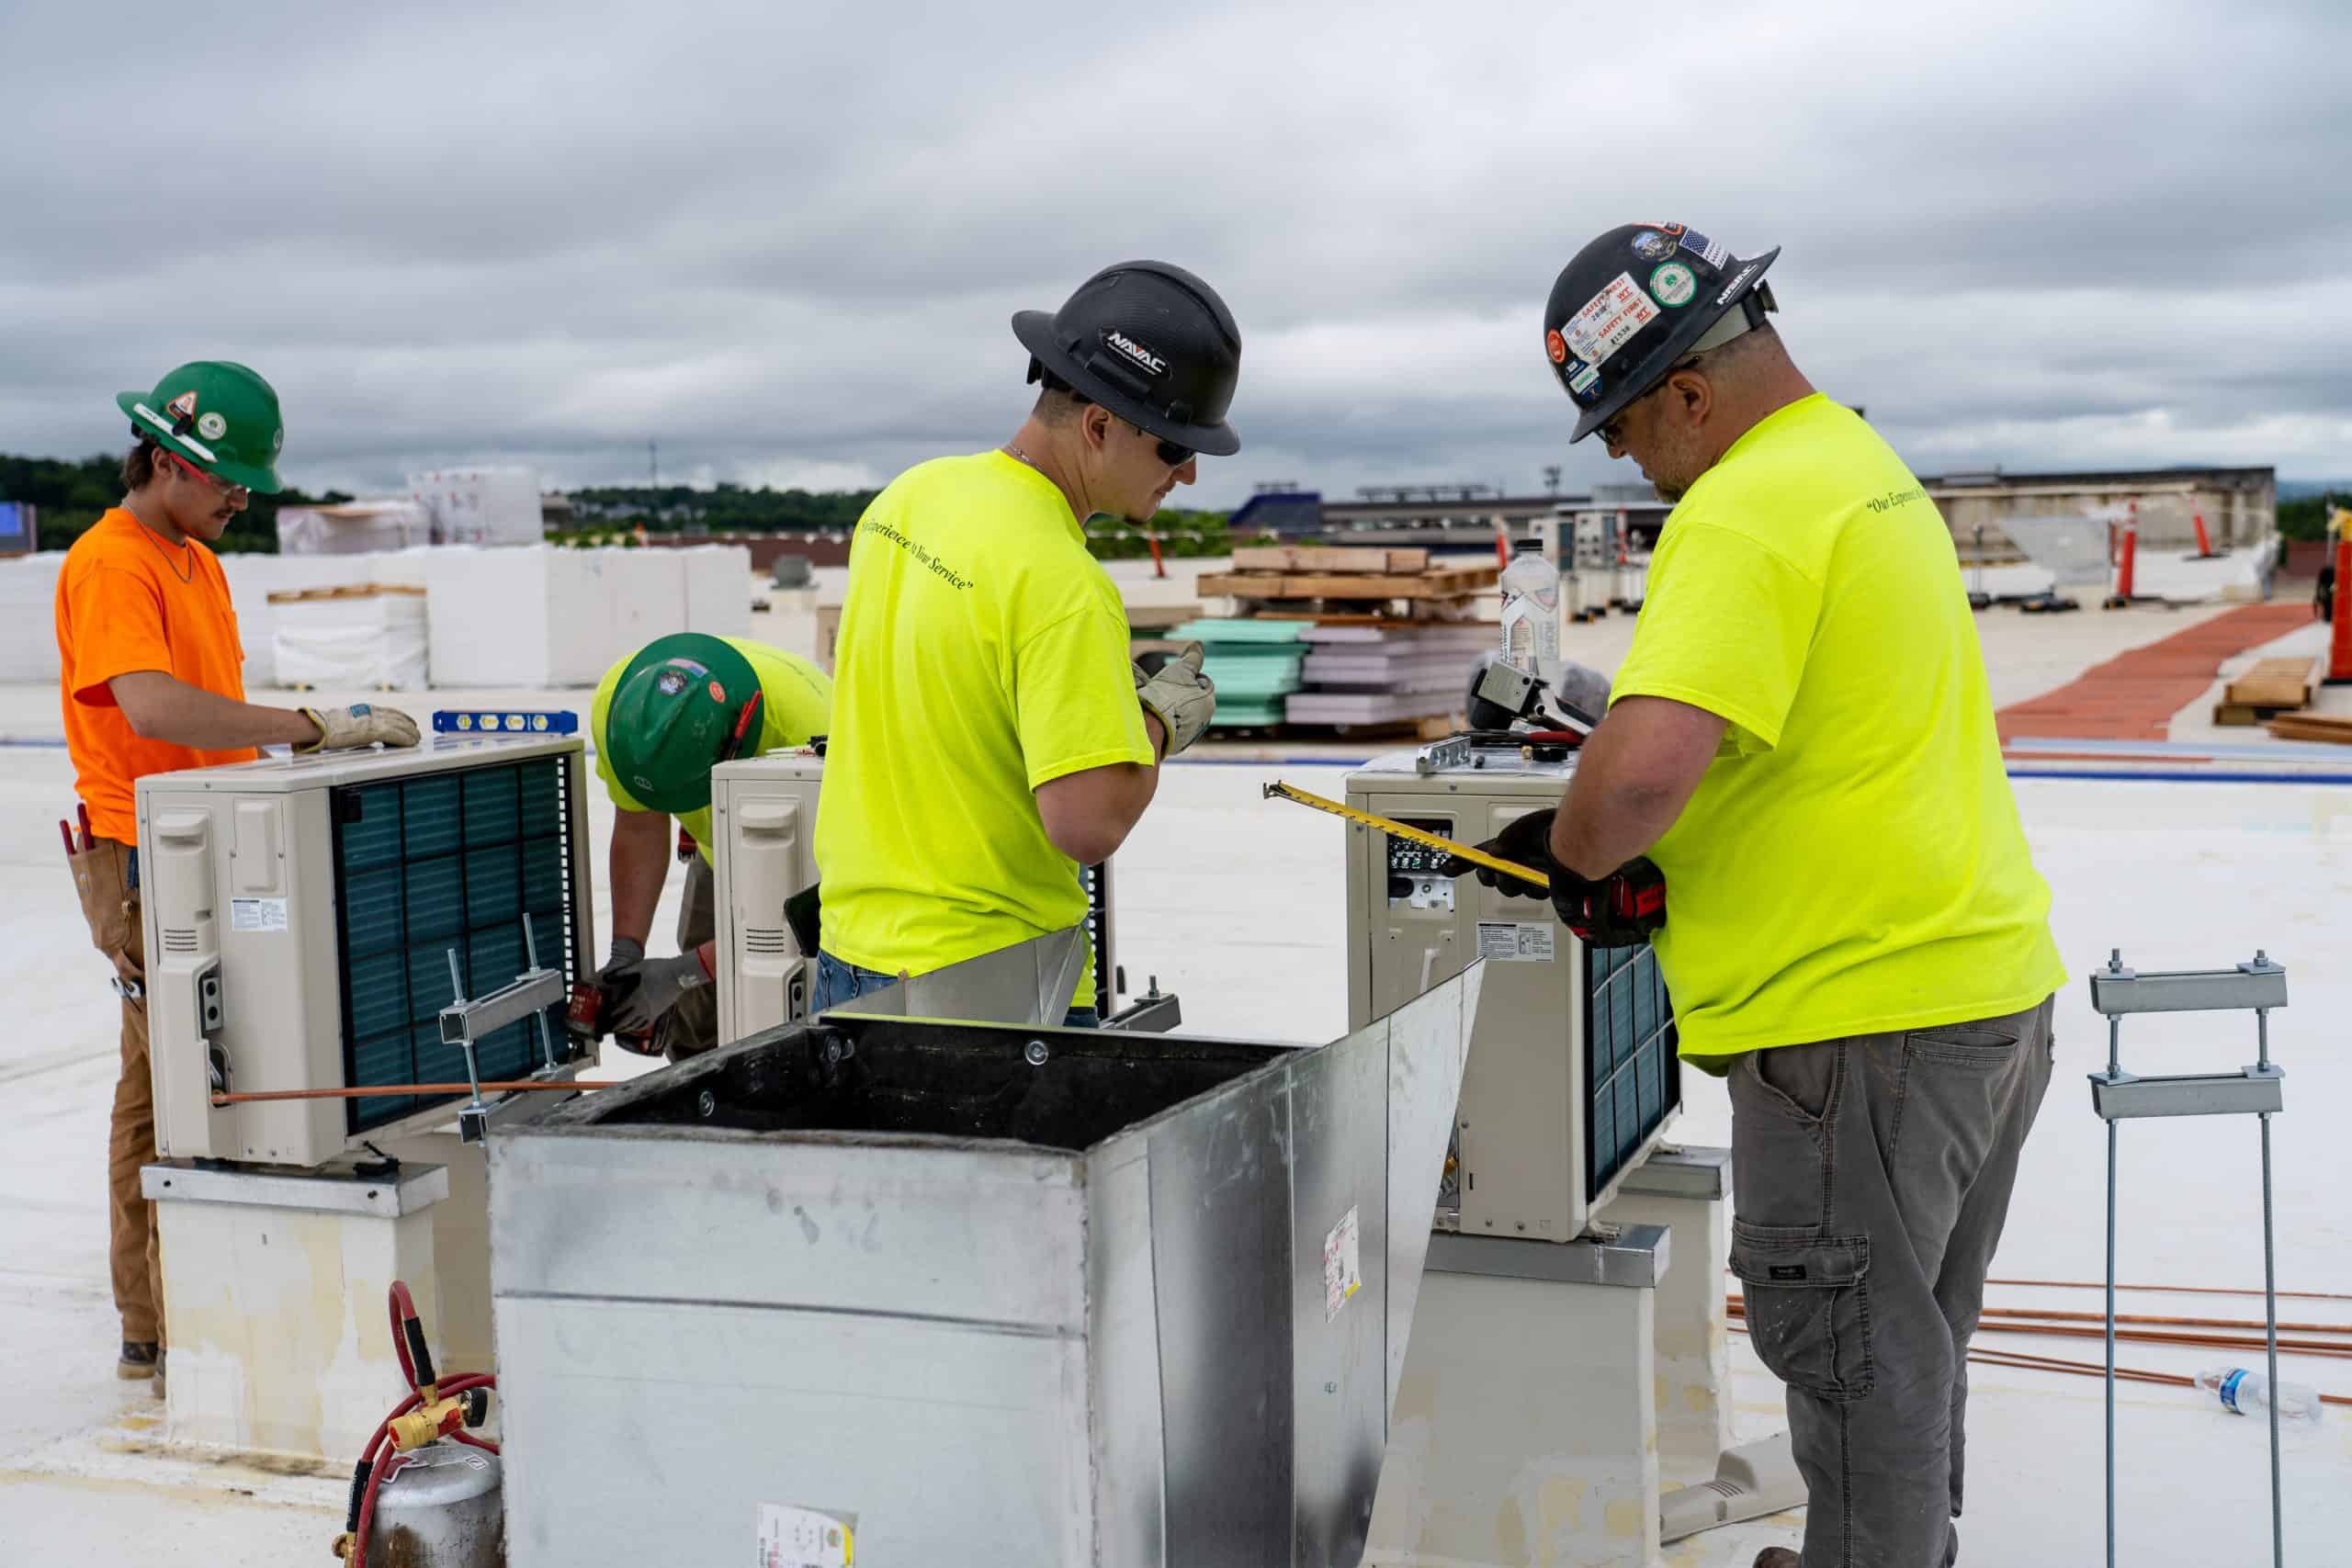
x=540, y=615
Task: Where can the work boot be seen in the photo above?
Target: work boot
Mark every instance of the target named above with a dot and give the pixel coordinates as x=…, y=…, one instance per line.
x=159, y=1374
x=141, y=1358
x=1776, y=1557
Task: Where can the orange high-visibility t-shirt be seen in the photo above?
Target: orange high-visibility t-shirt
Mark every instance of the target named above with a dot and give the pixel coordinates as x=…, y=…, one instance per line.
x=127, y=601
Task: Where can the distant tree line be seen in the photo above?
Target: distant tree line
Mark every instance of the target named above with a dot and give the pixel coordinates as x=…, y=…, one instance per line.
x=2305, y=517
x=727, y=508
x=72, y=496
x=607, y=513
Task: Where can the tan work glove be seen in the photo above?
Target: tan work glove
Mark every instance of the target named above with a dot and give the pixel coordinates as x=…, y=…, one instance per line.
x=345, y=729
x=1180, y=696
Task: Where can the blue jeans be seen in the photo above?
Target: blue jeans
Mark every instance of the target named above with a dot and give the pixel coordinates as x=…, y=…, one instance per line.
x=837, y=982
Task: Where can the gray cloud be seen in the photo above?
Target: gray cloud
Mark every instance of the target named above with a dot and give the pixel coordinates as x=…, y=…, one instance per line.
x=783, y=240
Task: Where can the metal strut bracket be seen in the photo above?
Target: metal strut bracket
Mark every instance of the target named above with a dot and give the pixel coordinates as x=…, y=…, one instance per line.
x=2257, y=1090
x=466, y=1023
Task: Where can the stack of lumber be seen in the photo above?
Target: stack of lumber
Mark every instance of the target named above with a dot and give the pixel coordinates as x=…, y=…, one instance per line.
x=1291, y=581
x=2272, y=687
x=2311, y=727
x=1358, y=675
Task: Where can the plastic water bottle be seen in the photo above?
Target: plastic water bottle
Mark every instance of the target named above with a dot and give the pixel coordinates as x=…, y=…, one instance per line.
x=2244, y=1393
x=1531, y=613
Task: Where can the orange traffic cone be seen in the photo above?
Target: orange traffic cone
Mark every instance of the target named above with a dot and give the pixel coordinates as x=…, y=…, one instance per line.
x=2126, y=567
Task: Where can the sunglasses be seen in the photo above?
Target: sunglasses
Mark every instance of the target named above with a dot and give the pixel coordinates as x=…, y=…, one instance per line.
x=1175, y=457
x=210, y=481
x=1612, y=433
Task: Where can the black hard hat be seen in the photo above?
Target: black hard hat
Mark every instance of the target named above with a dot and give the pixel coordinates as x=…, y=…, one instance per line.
x=1636, y=300
x=1149, y=342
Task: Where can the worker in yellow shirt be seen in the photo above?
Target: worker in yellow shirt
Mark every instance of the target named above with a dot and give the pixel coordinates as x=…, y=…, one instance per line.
x=661, y=719
x=1799, y=775
x=990, y=735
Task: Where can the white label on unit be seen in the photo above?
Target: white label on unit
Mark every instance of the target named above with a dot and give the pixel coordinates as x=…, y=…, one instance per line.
x=803, y=1538
x=1343, y=1275
x=256, y=914
x=1521, y=943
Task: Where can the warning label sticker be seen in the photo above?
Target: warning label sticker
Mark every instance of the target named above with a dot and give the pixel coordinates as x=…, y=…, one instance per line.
x=1515, y=943
x=1607, y=319
x=803, y=1538
x=256, y=914
x=1342, y=1277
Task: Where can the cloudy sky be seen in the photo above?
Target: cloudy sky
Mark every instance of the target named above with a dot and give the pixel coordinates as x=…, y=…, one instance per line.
x=783, y=240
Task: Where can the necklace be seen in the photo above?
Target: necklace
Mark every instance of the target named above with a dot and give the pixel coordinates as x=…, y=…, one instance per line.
x=185, y=553
x=1018, y=456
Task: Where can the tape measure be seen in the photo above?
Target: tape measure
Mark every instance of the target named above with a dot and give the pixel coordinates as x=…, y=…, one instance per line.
x=1475, y=856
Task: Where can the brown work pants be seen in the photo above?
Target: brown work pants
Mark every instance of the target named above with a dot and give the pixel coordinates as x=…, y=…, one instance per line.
x=102, y=877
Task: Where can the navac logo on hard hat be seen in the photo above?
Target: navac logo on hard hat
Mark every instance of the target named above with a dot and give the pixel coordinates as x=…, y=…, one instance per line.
x=1136, y=351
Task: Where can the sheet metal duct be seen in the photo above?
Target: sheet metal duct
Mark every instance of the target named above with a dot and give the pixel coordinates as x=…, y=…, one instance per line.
x=981, y=1294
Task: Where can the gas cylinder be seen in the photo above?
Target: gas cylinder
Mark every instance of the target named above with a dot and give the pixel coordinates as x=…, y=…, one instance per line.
x=441, y=1510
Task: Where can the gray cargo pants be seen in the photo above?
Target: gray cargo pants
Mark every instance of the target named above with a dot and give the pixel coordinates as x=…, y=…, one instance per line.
x=1869, y=1178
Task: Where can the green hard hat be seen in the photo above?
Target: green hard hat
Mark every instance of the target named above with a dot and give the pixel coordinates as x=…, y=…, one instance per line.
x=686, y=703
x=221, y=417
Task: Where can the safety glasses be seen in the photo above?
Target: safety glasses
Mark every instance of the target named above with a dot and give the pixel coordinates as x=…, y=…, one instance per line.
x=1612, y=430
x=209, y=481
x=1175, y=457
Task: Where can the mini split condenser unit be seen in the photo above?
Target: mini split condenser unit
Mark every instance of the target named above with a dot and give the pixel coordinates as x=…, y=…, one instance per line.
x=301, y=916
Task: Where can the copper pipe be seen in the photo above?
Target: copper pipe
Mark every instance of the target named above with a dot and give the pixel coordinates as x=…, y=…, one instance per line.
x=2251, y=1325
x=2176, y=1290
x=2148, y=1337
x=2086, y=1369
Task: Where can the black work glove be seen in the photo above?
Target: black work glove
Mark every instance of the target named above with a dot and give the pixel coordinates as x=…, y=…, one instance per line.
x=1620, y=910
x=1526, y=840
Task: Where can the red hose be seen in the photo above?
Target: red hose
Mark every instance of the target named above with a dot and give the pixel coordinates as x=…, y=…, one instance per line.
x=382, y=1466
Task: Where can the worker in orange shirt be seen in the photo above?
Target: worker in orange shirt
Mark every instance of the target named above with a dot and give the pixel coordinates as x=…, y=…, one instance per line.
x=152, y=683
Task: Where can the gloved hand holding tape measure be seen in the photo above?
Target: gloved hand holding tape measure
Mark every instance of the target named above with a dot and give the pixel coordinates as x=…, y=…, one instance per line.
x=1616, y=910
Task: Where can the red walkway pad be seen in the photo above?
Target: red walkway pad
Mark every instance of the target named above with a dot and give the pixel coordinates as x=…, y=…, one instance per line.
x=2133, y=695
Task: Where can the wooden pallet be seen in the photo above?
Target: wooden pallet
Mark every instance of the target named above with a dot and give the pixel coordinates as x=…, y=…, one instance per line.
x=1432, y=726
x=348, y=591
x=2311, y=727
x=1365, y=588
x=1326, y=558
x=2271, y=683
x=2244, y=715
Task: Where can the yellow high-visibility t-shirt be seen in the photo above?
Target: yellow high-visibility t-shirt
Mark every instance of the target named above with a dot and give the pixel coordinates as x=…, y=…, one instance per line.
x=796, y=703
x=982, y=652
x=1852, y=861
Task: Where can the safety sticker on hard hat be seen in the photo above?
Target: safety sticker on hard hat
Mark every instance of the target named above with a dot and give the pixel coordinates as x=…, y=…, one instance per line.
x=1608, y=319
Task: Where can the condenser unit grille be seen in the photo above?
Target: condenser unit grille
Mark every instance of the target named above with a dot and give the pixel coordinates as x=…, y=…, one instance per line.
x=1632, y=1072
x=440, y=862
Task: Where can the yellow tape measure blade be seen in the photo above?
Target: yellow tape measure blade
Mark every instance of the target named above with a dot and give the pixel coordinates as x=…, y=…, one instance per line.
x=1471, y=852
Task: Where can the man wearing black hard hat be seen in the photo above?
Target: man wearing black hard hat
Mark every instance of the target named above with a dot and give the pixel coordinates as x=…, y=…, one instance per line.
x=1798, y=796
x=991, y=735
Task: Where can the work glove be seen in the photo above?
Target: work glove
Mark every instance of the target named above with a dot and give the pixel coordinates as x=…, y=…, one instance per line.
x=347, y=729
x=626, y=949
x=1525, y=841
x=1180, y=696
x=1620, y=910
x=642, y=991
x=1617, y=910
